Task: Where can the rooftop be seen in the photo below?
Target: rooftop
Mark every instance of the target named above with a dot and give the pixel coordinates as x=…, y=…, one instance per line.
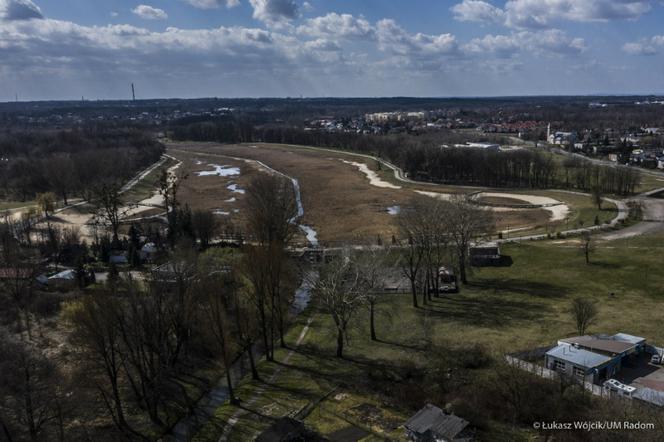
x=578, y=356
x=602, y=344
x=624, y=337
x=432, y=418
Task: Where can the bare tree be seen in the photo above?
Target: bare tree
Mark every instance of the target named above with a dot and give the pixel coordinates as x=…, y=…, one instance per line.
x=216, y=308
x=21, y=265
x=97, y=334
x=467, y=223
x=205, y=226
x=587, y=245
x=373, y=266
x=272, y=209
x=46, y=202
x=60, y=174
x=597, y=195
x=27, y=388
x=412, y=255
x=339, y=293
x=584, y=313
x=107, y=204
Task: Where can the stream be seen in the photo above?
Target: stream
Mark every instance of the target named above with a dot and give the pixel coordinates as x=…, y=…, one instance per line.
x=187, y=427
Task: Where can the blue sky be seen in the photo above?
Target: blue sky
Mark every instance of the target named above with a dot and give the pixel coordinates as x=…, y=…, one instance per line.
x=65, y=49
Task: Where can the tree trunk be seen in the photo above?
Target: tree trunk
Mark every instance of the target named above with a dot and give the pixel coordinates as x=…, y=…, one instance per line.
x=231, y=392
x=340, y=344
x=462, y=269
x=413, y=289
x=252, y=363
x=268, y=356
x=372, y=325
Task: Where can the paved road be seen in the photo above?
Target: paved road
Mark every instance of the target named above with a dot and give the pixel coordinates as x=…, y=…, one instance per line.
x=653, y=218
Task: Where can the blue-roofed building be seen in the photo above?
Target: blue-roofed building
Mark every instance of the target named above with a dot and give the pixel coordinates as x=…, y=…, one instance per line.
x=580, y=363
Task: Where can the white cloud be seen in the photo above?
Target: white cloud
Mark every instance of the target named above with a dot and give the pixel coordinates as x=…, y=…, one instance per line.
x=148, y=12
x=545, y=13
x=651, y=46
x=542, y=13
x=114, y=14
x=478, y=11
x=393, y=38
x=213, y=4
x=19, y=10
x=550, y=41
x=274, y=12
x=335, y=25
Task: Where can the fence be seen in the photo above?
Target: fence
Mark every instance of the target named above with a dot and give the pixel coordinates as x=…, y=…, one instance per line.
x=546, y=373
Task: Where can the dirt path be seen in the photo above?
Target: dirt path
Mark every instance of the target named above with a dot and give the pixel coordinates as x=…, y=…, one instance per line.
x=230, y=423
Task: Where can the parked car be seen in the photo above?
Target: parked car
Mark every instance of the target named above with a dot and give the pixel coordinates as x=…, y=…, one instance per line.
x=656, y=359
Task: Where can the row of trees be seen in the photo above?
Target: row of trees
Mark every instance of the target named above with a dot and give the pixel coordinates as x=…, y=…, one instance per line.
x=424, y=158
x=68, y=163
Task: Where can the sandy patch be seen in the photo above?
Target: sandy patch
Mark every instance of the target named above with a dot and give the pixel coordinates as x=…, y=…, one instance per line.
x=559, y=211
x=373, y=177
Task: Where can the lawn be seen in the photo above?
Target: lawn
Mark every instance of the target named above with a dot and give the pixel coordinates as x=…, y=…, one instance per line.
x=504, y=309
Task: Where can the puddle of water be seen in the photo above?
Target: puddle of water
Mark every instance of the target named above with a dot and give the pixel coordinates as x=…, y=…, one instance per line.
x=394, y=210
x=220, y=171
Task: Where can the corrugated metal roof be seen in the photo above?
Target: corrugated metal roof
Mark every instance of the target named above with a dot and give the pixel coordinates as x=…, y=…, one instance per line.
x=432, y=418
x=578, y=356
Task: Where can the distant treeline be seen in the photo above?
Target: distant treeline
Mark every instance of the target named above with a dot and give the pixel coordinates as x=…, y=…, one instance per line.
x=424, y=158
x=70, y=162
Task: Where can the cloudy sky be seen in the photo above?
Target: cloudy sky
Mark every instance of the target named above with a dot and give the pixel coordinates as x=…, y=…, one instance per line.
x=65, y=49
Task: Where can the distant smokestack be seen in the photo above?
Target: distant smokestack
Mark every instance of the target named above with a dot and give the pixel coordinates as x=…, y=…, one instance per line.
x=133, y=93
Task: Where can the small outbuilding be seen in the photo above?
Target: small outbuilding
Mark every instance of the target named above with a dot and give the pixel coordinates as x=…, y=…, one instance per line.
x=485, y=254
x=431, y=424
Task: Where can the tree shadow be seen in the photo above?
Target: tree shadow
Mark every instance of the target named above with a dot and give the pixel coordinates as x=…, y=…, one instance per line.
x=490, y=313
x=520, y=286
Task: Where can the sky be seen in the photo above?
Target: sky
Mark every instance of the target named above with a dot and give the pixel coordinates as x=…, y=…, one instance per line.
x=68, y=49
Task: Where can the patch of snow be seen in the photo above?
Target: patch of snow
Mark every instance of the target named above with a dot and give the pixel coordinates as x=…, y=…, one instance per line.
x=220, y=171
x=235, y=188
x=230, y=200
x=373, y=177
x=221, y=212
x=394, y=210
x=440, y=196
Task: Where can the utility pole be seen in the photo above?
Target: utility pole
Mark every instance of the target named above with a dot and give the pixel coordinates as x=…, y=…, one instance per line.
x=133, y=93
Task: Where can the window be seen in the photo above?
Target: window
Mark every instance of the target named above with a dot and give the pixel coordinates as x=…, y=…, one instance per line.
x=558, y=365
x=578, y=372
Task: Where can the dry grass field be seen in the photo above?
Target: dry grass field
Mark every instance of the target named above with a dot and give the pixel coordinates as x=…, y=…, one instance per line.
x=345, y=197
